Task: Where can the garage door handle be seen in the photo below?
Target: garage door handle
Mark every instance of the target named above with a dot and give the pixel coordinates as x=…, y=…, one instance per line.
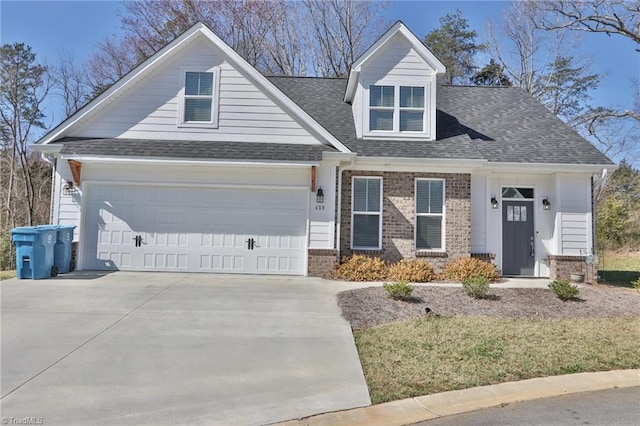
x=250, y=243
x=138, y=240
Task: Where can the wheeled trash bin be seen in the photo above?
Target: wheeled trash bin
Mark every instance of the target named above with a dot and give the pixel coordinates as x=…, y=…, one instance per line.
x=34, y=252
x=62, y=248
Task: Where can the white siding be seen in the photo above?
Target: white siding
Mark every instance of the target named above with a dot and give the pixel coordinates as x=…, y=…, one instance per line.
x=66, y=208
x=356, y=108
x=322, y=216
x=149, y=109
x=574, y=214
x=396, y=63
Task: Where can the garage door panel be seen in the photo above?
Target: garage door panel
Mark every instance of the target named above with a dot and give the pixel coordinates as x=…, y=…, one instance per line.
x=196, y=229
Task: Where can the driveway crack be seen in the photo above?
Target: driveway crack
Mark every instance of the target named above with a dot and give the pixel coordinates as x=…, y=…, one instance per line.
x=89, y=340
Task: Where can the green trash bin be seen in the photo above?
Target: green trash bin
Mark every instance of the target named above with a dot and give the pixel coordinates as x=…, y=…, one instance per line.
x=34, y=252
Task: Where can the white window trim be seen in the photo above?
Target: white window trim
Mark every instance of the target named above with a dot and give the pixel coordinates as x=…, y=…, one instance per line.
x=443, y=215
x=353, y=213
x=396, y=133
x=215, y=98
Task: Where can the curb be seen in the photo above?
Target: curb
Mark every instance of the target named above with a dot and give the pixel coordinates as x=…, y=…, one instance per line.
x=429, y=407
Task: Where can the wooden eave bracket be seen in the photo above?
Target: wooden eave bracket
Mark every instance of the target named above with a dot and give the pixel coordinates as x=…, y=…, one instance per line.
x=76, y=170
x=313, y=178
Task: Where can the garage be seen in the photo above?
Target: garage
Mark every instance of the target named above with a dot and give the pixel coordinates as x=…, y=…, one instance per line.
x=216, y=229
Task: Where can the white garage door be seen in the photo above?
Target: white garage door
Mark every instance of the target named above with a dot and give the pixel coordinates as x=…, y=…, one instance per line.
x=154, y=228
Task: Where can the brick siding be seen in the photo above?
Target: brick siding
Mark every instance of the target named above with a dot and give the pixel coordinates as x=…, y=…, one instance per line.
x=398, y=217
x=321, y=262
x=561, y=268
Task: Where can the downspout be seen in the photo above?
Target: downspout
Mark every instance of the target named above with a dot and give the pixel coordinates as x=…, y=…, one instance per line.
x=339, y=212
x=54, y=163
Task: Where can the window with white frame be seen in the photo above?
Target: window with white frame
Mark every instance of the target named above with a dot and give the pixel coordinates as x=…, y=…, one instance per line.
x=397, y=108
x=366, y=213
x=429, y=214
x=199, y=98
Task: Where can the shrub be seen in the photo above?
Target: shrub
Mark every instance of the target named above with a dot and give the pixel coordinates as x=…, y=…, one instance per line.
x=636, y=284
x=469, y=267
x=362, y=268
x=564, y=290
x=414, y=270
x=476, y=287
x=400, y=290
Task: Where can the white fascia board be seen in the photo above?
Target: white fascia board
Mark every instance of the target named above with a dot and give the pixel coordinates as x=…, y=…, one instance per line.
x=47, y=149
x=547, y=168
x=114, y=89
x=398, y=27
x=188, y=162
x=352, y=84
x=445, y=165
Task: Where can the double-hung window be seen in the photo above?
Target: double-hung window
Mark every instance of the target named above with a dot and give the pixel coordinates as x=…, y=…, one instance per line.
x=399, y=109
x=430, y=214
x=199, y=99
x=366, y=213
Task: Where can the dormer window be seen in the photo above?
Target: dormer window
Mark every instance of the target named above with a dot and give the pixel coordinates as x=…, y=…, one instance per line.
x=397, y=109
x=199, y=98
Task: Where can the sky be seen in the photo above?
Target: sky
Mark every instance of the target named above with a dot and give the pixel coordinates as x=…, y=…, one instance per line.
x=78, y=26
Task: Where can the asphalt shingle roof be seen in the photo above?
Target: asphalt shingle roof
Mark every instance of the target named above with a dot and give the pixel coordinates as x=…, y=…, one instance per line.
x=494, y=123
x=194, y=149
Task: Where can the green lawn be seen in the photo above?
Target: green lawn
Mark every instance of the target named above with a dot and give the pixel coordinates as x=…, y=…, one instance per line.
x=619, y=269
x=438, y=354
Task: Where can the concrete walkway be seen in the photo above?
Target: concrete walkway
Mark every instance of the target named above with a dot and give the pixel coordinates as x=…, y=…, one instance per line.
x=419, y=409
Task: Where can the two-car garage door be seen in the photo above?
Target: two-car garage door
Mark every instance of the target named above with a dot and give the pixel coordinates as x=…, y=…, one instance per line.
x=195, y=229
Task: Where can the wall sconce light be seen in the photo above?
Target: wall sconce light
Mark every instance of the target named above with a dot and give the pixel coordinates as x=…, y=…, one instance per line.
x=320, y=196
x=69, y=188
x=494, y=202
x=546, y=205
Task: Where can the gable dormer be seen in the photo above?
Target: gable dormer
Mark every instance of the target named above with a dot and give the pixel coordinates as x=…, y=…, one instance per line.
x=392, y=88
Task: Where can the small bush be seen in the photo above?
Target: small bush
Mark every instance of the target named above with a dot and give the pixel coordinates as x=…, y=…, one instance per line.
x=636, y=284
x=414, y=270
x=469, y=267
x=476, y=287
x=362, y=268
x=564, y=290
x=400, y=290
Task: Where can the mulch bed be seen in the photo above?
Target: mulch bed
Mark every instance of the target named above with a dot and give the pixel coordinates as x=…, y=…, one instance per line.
x=368, y=307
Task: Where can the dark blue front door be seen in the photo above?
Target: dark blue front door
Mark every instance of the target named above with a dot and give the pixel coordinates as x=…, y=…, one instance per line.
x=518, y=246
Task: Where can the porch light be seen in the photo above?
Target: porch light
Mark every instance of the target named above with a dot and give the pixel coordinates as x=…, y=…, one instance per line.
x=494, y=202
x=69, y=188
x=320, y=196
x=546, y=205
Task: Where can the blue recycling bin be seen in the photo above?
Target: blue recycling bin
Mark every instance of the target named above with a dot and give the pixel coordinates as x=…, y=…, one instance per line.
x=62, y=247
x=34, y=252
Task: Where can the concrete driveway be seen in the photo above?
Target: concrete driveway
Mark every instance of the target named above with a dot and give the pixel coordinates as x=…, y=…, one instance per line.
x=147, y=348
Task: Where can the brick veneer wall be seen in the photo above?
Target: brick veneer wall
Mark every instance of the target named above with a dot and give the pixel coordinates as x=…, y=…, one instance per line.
x=398, y=216
x=321, y=262
x=561, y=268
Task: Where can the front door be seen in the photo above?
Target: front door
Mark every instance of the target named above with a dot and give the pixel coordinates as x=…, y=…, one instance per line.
x=518, y=245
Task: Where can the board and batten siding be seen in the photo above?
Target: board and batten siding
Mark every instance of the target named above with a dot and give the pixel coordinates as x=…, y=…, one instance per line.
x=574, y=214
x=149, y=108
x=479, y=205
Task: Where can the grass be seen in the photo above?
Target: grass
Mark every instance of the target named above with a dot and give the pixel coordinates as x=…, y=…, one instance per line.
x=5, y=275
x=619, y=268
x=438, y=354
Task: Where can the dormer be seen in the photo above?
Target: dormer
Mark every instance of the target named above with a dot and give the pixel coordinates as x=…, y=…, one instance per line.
x=392, y=88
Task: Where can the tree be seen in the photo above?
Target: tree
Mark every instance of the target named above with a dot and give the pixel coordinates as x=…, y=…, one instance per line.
x=618, y=17
x=533, y=60
x=24, y=184
x=277, y=37
x=454, y=44
x=491, y=74
x=69, y=82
